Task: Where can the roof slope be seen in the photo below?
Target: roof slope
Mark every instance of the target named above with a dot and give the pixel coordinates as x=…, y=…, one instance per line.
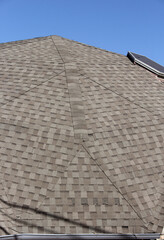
x=81, y=133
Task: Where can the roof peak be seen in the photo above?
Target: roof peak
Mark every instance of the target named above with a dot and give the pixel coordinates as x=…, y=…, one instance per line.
x=24, y=41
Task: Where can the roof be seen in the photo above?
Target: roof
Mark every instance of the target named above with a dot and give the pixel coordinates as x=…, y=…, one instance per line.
x=81, y=133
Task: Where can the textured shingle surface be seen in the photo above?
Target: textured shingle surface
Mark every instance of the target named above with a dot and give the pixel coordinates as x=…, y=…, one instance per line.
x=81, y=132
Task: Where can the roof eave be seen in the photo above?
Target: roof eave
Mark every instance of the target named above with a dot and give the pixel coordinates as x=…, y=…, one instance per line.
x=80, y=236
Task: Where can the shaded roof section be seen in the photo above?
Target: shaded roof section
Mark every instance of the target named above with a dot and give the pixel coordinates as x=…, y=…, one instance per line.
x=147, y=63
x=81, y=133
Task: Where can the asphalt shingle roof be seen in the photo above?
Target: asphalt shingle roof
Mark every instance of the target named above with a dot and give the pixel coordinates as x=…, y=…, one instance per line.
x=81, y=132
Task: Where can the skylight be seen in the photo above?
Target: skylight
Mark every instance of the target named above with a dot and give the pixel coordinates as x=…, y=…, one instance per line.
x=147, y=63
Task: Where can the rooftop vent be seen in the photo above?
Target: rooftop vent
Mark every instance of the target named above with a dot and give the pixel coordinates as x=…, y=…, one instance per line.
x=146, y=63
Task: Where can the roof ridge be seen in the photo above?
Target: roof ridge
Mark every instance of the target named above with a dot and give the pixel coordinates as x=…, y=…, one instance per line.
x=156, y=117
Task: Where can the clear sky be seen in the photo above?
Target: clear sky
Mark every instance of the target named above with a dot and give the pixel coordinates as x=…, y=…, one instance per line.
x=115, y=25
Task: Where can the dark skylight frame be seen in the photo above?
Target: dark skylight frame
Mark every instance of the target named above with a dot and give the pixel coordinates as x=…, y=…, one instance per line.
x=146, y=63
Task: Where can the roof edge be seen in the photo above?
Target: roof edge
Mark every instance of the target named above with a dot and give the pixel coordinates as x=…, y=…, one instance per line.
x=24, y=41
x=81, y=236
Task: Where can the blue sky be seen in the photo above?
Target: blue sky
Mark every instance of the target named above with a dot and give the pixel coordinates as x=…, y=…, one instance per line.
x=115, y=25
